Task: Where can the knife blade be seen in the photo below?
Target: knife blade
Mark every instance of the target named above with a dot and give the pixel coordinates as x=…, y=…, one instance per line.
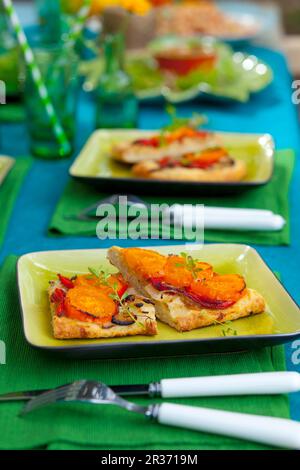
x=123, y=390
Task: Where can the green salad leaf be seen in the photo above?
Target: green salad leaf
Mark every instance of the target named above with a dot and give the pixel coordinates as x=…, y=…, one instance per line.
x=235, y=76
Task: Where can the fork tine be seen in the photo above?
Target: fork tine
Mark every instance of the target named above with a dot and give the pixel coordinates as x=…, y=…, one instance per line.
x=55, y=394
x=38, y=403
x=46, y=398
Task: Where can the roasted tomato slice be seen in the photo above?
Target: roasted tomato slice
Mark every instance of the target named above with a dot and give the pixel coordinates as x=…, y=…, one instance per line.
x=219, y=289
x=91, y=301
x=180, y=134
x=146, y=263
x=116, y=281
x=72, y=312
x=86, y=280
x=203, y=271
x=206, y=158
x=176, y=272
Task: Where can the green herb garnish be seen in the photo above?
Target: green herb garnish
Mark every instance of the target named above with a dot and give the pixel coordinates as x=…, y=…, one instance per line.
x=228, y=331
x=177, y=122
x=189, y=263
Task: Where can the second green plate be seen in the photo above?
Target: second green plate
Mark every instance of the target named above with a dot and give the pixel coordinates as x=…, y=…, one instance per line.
x=94, y=165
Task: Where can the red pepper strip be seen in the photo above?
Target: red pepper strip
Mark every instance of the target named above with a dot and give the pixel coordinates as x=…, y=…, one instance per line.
x=122, y=290
x=152, y=142
x=60, y=309
x=66, y=281
x=203, y=134
x=168, y=162
x=201, y=164
x=58, y=296
x=164, y=162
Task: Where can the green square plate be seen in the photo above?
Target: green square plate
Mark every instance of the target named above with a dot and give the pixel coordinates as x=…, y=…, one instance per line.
x=95, y=166
x=6, y=164
x=279, y=324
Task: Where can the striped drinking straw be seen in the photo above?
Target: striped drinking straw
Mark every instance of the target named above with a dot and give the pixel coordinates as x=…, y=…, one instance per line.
x=36, y=76
x=79, y=22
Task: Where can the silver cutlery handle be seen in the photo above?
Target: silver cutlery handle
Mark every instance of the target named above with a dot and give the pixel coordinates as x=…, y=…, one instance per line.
x=270, y=383
x=276, y=432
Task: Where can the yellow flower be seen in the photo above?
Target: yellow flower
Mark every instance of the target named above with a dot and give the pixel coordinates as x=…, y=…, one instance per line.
x=138, y=7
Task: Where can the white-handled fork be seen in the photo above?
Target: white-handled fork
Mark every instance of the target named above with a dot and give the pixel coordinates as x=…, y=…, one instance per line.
x=277, y=432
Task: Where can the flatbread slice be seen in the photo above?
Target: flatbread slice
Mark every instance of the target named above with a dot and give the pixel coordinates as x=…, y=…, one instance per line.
x=179, y=311
x=146, y=149
x=234, y=172
x=64, y=327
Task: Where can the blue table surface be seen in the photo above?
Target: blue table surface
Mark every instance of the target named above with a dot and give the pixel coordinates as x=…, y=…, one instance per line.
x=270, y=111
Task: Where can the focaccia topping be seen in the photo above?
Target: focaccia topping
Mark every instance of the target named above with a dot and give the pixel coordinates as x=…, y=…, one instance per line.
x=218, y=291
x=168, y=137
x=202, y=160
x=86, y=298
x=90, y=300
x=179, y=274
x=186, y=276
x=147, y=263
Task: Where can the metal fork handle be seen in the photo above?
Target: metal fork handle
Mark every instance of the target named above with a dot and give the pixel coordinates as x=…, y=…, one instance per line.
x=276, y=432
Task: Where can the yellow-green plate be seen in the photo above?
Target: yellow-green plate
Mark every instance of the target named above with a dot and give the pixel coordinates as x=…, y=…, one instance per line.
x=6, y=164
x=279, y=324
x=95, y=166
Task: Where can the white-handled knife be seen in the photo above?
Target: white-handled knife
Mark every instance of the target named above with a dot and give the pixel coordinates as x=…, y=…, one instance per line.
x=264, y=383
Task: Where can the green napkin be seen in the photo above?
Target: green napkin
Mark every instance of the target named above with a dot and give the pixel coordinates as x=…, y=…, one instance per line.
x=107, y=427
x=9, y=191
x=78, y=196
x=12, y=112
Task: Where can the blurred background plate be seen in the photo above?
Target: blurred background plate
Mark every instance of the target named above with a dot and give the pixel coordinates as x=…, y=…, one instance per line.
x=259, y=17
x=234, y=77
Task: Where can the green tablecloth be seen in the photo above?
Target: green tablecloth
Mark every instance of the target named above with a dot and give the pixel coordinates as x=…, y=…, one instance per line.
x=78, y=196
x=105, y=427
x=9, y=190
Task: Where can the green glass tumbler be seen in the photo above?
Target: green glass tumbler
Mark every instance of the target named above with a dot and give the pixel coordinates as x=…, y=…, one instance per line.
x=10, y=70
x=117, y=105
x=49, y=12
x=58, y=64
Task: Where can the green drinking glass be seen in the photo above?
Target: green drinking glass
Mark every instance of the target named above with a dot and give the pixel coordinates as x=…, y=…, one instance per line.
x=9, y=59
x=58, y=64
x=49, y=12
x=117, y=105
x=55, y=19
